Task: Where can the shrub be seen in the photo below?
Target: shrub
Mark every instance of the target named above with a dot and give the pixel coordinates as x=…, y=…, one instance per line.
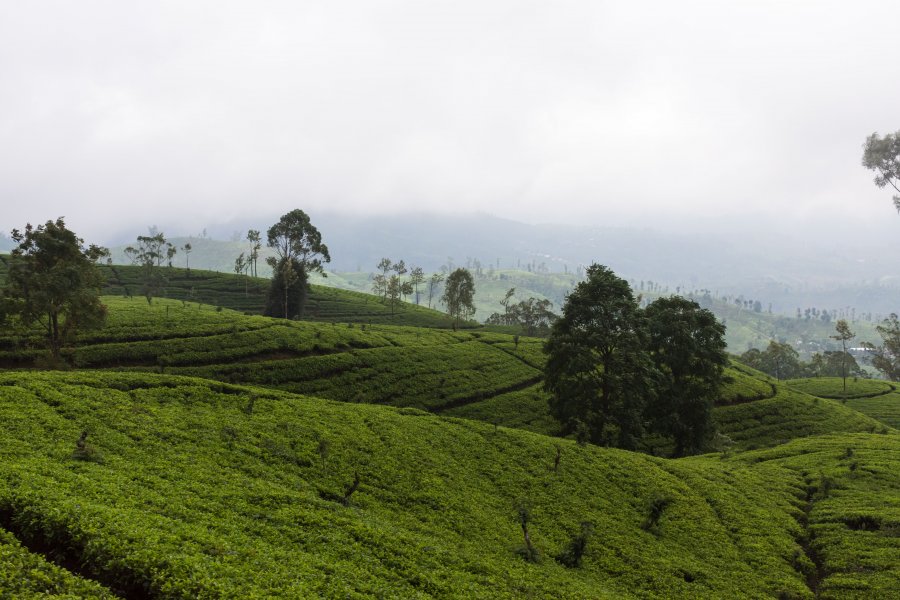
x=574, y=551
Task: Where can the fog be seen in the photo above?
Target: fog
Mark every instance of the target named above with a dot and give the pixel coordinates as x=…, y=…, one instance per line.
x=690, y=116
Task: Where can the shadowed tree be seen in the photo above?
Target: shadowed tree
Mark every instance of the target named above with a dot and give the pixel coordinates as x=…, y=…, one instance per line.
x=599, y=372
x=688, y=348
x=299, y=251
x=53, y=280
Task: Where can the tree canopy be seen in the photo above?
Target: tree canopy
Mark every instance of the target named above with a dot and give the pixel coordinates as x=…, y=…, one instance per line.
x=299, y=251
x=886, y=357
x=459, y=295
x=599, y=372
x=688, y=348
x=882, y=155
x=53, y=280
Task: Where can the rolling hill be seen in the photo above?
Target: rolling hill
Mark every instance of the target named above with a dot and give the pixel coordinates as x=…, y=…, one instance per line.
x=199, y=452
x=191, y=489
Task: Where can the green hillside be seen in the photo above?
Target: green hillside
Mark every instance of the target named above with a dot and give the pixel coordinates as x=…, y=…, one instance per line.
x=475, y=374
x=249, y=295
x=217, y=463
x=195, y=489
x=877, y=399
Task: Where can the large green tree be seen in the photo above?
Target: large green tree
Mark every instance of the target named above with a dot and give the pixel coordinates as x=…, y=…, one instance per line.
x=53, y=281
x=299, y=251
x=459, y=295
x=599, y=372
x=779, y=360
x=688, y=348
x=882, y=155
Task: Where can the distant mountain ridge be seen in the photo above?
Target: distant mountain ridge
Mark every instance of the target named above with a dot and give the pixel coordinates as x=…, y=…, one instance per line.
x=788, y=271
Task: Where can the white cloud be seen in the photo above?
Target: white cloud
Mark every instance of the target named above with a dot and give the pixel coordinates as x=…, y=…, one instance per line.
x=145, y=111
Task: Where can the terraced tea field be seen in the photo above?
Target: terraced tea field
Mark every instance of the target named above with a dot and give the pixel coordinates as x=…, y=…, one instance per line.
x=247, y=294
x=193, y=489
x=875, y=398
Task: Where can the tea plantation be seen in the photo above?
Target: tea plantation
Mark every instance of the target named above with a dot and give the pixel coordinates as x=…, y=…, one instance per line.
x=192, y=451
x=189, y=488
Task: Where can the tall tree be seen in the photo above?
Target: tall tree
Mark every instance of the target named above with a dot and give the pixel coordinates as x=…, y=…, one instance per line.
x=299, y=251
x=241, y=266
x=886, y=357
x=505, y=303
x=459, y=295
x=255, y=244
x=53, y=280
x=882, y=155
x=187, y=248
x=598, y=371
x=687, y=344
x=380, y=282
x=843, y=335
x=149, y=254
x=433, y=285
x=416, y=278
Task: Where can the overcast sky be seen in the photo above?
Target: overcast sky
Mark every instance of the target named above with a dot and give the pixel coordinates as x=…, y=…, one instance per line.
x=128, y=113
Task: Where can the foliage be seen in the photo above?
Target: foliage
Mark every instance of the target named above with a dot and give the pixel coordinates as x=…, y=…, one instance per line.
x=843, y=334
x=288, y=291
x=833, y=364
x=53, y=281
x=199, y=499
x=534, y=316
x=574, y=551
x=886, y=357
x=149, y=254
x=599, y=372
x=687, y=344
x=787, y=416
x=882, y=155
x=459, y=293
x=299, y=251
x=779, y=360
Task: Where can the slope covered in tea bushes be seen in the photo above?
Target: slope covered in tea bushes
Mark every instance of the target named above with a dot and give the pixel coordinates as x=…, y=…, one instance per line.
x=192, y=489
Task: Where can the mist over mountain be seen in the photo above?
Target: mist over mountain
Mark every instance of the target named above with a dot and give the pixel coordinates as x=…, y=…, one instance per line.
x=786, y=267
